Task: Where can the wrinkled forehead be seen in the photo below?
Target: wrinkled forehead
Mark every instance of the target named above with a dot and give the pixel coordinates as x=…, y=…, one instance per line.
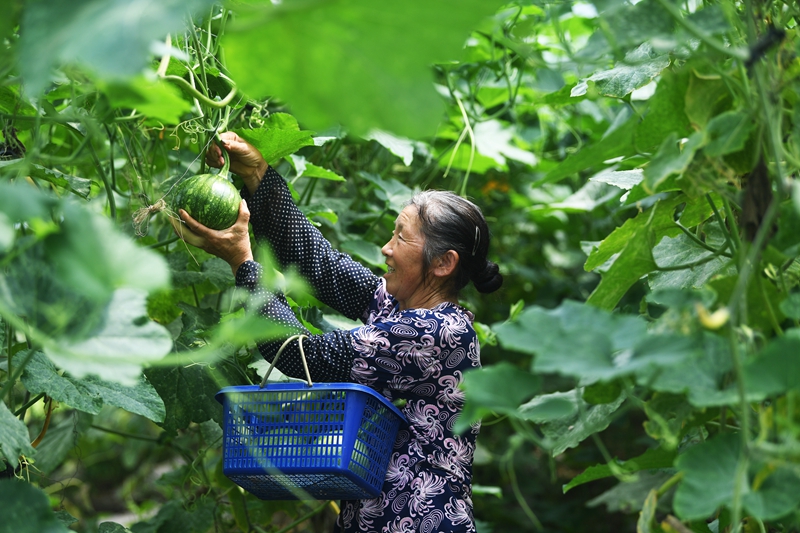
x=408, y=217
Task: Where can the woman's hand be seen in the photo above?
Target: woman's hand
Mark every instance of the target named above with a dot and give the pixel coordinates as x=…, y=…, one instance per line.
x=246, y=160
x=231, y=245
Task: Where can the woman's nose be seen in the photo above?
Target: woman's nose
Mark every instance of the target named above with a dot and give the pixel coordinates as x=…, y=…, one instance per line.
x=385, y=249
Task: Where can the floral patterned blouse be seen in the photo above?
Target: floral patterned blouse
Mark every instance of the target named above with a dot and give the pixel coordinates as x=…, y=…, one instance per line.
x=419, y=355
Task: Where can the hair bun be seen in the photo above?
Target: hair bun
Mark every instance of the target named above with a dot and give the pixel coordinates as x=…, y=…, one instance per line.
x=489, y=279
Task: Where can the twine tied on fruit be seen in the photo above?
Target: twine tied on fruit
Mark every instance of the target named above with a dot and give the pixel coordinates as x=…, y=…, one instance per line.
x=141, y=217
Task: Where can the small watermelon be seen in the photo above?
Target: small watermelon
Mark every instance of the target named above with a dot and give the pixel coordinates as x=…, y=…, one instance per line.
x=209, y=198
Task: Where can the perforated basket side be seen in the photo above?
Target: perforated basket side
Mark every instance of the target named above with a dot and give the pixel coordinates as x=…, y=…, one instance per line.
x=319, y=443
x=374, y=440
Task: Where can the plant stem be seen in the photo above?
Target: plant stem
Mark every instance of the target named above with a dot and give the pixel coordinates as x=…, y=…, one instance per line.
x=700, y=243
x=200, y=96
x=125, y=434
x=744, y=421
x=8, y=386
x=112, y=203
x=668, y=484
x=21, y=411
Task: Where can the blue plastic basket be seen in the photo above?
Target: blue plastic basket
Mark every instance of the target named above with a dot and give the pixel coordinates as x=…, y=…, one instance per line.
x=295, y=441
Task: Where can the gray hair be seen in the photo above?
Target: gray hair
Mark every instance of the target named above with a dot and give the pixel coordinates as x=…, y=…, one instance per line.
x=450, y=222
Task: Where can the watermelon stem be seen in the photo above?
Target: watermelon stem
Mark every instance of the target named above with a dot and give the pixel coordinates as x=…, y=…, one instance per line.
x=227, y=164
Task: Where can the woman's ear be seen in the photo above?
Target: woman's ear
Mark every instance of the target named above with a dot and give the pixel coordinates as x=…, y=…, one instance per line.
x=446, y=264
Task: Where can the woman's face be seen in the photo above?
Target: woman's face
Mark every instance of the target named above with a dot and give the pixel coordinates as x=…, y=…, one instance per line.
x=404, y=258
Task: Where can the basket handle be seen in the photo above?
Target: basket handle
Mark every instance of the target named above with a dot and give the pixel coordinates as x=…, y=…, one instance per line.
x=299, y=338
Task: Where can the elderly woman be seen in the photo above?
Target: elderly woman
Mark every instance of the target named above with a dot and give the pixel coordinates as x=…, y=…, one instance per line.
x=416, y=342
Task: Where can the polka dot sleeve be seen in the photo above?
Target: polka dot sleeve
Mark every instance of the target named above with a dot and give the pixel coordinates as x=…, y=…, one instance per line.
x=329, y=356
x=339, y=281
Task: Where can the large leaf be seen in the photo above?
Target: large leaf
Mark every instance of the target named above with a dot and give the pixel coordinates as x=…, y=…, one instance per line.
x=673, y=252
x=639, y=68
x=651, y=459
x=702, y=376
x=90, y=393
x=125, y=342
x=498, y=388
x=710, y=471
x=156, y=100
x=26, y=509
x=634, y=261
x=352, y=61
x=728, y=133
x=14, y=438
x=279, y=137
x=112, y=37
x=665, y=111
x=776, y=370
x=568, y=432
x=188, y=392
x=662, y=224
x=601, y=345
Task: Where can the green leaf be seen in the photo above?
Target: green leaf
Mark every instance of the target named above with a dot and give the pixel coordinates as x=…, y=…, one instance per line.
x=90, y=393
x=279, y=137
x=14, y=438
x=624, y=179
x=126, y=341
x=762, y=300
x=671, y=159
x=568, y=432
x=602, y=392
x=80, y=186
x=155, y=99
x=681, y=250
x=618, y=143
x=628, y=495
x=313, y=171
x=350, y=62
x=639, y=68
x=728, y=133
x=634, y=261
x=776, y=369
x=399, y=146
x=26, y=509
x=498, y=388
x=550, y=407
x=709, y=482
x=791, y=306
x=706, y=96
x=709, y=470
x=188, y=391
x=649, y=460
x=111, y=37
x=603, y=346
x=701, y=376
x=367, y=251
x=391, y=191
x=665, y=111
x=91, y=255
x=60, y=439
x=662, y=224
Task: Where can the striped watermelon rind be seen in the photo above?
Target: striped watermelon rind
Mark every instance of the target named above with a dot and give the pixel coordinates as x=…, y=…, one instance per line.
x=208, y=198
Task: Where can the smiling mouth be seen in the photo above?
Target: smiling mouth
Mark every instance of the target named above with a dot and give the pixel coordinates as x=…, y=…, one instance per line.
x=389, y=270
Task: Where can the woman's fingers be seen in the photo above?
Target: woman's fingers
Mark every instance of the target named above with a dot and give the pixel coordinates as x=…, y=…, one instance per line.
x=182, y=231
x=231, y=244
